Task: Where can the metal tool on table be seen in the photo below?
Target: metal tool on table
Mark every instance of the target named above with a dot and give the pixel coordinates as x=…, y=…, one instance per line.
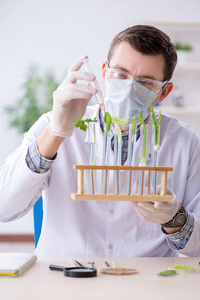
x=78, y=272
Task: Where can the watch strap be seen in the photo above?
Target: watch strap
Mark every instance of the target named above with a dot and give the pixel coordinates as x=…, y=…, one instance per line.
x=171, y=224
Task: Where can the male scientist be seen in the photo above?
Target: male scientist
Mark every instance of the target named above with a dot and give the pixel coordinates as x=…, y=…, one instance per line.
x=43, y=165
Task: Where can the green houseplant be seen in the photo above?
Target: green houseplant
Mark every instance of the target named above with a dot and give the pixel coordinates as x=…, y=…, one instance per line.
x=183, y=52
x=36, y=99
x=183, y=47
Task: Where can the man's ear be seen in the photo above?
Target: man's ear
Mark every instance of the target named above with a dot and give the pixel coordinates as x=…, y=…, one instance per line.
x=103, y=72
x=166, y=91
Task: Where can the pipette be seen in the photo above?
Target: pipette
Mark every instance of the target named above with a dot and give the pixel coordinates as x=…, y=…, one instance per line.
x=94, y=84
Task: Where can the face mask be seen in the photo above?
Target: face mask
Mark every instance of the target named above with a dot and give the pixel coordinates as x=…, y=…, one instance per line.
x=125, y=99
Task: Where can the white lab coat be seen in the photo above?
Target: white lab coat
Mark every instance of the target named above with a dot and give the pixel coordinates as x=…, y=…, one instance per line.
x=95, y=228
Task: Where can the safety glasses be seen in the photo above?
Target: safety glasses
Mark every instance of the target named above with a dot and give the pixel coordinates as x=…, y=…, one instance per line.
x=154, y=85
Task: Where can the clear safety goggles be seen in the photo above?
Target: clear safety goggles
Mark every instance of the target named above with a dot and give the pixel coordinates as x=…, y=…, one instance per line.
x=153, y=85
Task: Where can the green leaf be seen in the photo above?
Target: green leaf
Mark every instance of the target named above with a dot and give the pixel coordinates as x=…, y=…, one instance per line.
x=152, y=113
x=108, y=121
x=156, y=126
x=119, y=122
x=141, y=118
x=133, y=126
x=80, y=124
x=168, y=273
x=160, y=118
x=91, y=121
x=184, y=268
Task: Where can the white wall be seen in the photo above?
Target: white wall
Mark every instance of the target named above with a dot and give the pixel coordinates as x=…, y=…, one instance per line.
x=53, y=33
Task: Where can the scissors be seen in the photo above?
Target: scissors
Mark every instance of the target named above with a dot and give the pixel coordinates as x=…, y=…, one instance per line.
x=77, y=272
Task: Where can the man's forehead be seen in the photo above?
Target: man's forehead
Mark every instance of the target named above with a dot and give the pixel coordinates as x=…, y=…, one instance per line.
x=127, y=59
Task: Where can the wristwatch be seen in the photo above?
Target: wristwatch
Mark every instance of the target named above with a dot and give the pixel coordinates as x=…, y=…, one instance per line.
x=178, y=220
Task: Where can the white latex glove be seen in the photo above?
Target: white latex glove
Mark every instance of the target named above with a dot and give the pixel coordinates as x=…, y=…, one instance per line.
x=157, y=212
x=70, y=100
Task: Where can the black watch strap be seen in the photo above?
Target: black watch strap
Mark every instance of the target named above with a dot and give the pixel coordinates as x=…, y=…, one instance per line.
x=178, y=220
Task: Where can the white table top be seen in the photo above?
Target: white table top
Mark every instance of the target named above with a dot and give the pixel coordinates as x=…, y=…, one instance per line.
x=38, y=282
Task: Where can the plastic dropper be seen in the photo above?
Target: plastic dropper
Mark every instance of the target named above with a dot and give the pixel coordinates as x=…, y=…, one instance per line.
x=94, y=84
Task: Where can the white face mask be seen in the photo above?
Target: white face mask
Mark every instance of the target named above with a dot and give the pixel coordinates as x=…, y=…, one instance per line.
x=125, y=99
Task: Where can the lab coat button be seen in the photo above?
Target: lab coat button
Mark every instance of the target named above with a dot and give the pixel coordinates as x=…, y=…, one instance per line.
x=110, y=246
x=31, y=166
x=112, y=211
x=187, y=236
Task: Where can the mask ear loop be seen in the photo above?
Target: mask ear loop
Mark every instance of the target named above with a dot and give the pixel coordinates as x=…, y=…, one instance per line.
x=107, y=65
x=162, y=90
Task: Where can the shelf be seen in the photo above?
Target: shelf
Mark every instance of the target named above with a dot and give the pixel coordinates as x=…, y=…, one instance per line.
x=188, y=66
x=180, y=110
x=175, y=25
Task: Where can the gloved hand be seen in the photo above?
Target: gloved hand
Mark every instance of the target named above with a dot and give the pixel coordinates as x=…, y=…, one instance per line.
x=70, y=100
x=158, y=212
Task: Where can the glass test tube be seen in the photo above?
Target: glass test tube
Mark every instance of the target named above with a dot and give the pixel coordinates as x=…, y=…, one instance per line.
x=142, y=155
x=106, y=158
x=129, y=159
x=92, y=145
x=94, y=84
x=155, y=148
x=115, y=163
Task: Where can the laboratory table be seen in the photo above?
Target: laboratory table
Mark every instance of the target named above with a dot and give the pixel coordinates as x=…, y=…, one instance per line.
x=38, y=282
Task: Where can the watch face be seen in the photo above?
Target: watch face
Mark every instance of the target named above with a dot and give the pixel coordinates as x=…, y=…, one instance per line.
x=180, y=220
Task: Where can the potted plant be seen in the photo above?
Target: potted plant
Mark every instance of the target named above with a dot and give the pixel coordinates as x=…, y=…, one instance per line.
x=36, y=99
x=183, y=51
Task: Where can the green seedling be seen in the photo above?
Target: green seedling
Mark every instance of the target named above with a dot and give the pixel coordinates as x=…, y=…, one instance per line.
x=144, y=159
x=133, y=128
x=82, y=123
x=156, y=126
x=119, y=122
x=108, y=121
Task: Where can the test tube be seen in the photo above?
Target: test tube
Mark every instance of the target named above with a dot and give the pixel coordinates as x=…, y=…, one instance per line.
x=94, y=84
x=142, y=155
x=116, y=188
x=106, y=157
x=92, y=145
x=129, y=159
x=155, y=148
x=104, y=162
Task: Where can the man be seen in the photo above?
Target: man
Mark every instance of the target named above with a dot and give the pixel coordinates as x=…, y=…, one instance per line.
x=43, y=164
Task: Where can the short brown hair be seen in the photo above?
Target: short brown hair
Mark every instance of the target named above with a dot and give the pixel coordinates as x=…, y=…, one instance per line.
x=150, y=41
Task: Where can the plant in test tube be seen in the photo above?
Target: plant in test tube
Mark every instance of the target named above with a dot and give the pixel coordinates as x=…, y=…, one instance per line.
x=144, y=159
x=83, y=125
x=119, y=122
x=156, y=126
x=133, y=128
x=108, y=121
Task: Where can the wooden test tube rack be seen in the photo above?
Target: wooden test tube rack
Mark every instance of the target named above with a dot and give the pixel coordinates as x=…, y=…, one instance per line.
x=81, y=195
